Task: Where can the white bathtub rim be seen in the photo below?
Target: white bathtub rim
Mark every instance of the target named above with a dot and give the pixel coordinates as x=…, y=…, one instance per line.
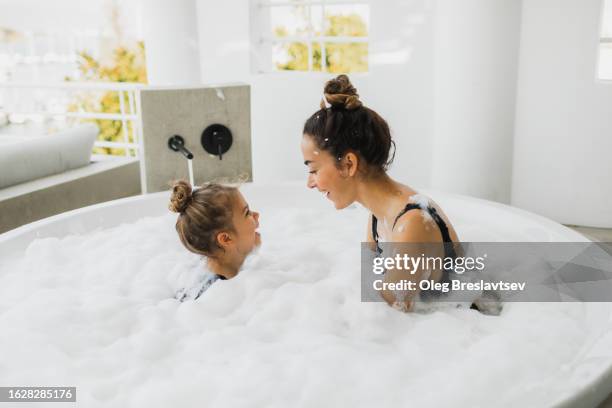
x=17, y=232
x=544, y=221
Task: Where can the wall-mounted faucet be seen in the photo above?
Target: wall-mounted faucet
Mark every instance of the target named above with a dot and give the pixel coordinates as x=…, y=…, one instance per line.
x=216, y=140
x=177, y=143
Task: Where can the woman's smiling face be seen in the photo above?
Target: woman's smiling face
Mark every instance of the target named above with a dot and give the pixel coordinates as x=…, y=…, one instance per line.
x=325, y=176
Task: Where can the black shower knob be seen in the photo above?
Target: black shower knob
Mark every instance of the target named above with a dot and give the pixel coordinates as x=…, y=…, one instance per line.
x=217, y=139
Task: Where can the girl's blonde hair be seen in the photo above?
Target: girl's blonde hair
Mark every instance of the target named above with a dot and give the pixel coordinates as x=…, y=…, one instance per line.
x=203, y=213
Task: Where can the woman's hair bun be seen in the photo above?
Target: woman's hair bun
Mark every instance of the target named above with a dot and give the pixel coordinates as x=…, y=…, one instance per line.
x=340, y=93
x=181, y=196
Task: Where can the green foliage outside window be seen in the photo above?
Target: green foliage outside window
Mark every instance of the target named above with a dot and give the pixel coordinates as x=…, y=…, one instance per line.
x=339, y=57
x=127, y=65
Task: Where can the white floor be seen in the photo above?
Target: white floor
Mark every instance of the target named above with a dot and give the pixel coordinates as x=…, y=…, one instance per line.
x=600, y=235
x=595, y=234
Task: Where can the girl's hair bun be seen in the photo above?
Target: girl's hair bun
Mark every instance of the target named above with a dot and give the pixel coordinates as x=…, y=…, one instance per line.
x=340, y=93
x=181, y=196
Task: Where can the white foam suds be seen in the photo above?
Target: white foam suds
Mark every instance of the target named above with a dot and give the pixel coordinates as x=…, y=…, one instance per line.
x=423, y=202
x=419, y=199
x=97, y=312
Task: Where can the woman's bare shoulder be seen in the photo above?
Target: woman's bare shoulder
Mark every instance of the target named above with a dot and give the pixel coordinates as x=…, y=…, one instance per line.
x=416, y=225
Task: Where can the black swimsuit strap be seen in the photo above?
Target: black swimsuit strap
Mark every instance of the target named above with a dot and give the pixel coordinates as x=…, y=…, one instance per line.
x=374, y=228
x=449, y=249
x=375, y=233
x=408, y=207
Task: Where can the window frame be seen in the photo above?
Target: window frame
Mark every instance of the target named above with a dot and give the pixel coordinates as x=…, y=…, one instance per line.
x=263, y=41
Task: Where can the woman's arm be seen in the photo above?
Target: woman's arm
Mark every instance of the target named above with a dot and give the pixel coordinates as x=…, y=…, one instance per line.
x=415, y=229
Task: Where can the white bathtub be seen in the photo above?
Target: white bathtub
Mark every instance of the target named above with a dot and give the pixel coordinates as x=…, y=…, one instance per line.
x=584, y=381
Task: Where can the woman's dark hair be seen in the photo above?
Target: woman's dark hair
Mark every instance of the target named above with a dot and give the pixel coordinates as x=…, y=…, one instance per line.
x=203, y=213
x=344, y=124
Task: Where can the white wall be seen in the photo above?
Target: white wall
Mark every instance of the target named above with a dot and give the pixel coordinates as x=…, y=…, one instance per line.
x=459, y=54
x=171, y=36
x=475, y=65
x=398, y=86
x=563, y=142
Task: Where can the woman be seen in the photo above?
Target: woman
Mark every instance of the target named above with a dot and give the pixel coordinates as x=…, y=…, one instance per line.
x=346, y=147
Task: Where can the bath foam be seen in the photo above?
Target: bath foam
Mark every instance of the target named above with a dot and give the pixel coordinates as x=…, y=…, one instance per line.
x=97, y=311
x=423, y=202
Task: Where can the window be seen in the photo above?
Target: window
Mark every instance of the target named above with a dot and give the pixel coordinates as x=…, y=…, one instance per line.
x=36, y=66
x=325, y=36
x=605, y=43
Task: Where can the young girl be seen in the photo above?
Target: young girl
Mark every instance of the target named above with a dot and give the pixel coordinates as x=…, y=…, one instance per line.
x=215, y=221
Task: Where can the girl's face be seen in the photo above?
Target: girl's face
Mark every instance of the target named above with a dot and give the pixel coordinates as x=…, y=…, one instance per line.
x=246, y=222
x=325, y=176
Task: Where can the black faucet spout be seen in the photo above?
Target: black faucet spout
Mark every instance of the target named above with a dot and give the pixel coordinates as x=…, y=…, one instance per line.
x=177, y=144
